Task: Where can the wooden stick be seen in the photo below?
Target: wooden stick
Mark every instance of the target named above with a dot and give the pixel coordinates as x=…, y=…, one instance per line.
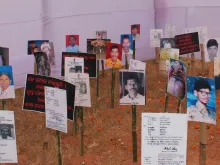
x=211, y=69
x=193, y=64
x=81, y=132
x=203, y=142
x=58, y=148
x=134, y=133
x=113, y=88
x=3, y=104
x=126, y=61
x=202, y=58
x=166, y=99
x=103, y=68
x=97, y=80
x=179, y=105
x=157, y=53
x=75, y=125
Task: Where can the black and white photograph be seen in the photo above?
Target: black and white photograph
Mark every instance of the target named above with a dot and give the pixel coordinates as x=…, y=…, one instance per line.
x=167, y=43
x=132, y=88
x=211, y=47
x=8, y=137
x=42, y=63
x=73, y=65
x=217, y=72
x=4, y=56
x=48, y=49
x=82, y=92
x=137, y=66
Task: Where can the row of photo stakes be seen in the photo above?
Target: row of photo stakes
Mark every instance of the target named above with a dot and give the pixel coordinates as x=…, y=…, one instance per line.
x=58, y=98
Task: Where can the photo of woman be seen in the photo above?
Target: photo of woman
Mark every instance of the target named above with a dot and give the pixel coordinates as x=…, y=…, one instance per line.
x=6, y=83
x=176, y=79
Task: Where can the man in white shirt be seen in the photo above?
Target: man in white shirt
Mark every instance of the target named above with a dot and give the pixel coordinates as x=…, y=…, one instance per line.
x=132, y=85
x=199, y=111
x=167, y=45
x=126, y=45
x=5, y=132
x=73, y=47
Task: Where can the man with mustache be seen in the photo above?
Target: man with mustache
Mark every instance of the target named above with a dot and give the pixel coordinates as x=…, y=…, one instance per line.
x=5, y=133
x=126, y=43
x=199, y=111
x=132, y=85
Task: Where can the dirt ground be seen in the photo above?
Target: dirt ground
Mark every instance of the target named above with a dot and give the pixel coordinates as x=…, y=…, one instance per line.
x=107, y=136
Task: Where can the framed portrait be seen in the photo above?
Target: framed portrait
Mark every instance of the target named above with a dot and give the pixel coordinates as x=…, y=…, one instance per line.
x=35, y=46
x=72, y=43
x=167, y=43
x=114, y=55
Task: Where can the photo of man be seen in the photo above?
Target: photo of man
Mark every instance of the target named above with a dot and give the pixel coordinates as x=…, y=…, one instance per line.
x=72, y=43
x=167, y=43
x=132, y=88
x=34, y=46
x=101, y=34
x=48, y=49
x=217, y=72
x=127, y=43
x=43, y=65
x=201, y=100
x=4, y=56
x=6, y=132
x=135, y=31
x=113, y=56
x=211, y=49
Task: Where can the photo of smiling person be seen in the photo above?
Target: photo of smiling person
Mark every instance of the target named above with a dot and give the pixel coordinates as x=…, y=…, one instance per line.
x=201, y=100
x=132, y=88
x=113, y=56
x=6, y=83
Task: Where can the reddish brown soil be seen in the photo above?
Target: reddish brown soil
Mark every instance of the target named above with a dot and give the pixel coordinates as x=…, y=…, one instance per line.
x=107, y=137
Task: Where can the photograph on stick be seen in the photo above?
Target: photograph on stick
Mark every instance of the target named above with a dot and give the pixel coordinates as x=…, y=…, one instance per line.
x=167, y=43
x=42, y=63
x=217, y=72
x=127, y=44
x=114, y=55
x=4, y=56
x=201, y=100
x=132, y=88
x=35, y=46
x=98, y=47
x=177, y=79
x=169, y=54
x=211, y=49
x=137, y=66
x=135, y=31
x=72, y=43
x=73, y=65
x=155, y=36
x=102, y=34
x=170, y=30
x=7, y=90
x=48, y=49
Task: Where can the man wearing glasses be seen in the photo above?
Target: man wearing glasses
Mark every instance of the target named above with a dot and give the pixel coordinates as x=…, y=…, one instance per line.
x=199, y=111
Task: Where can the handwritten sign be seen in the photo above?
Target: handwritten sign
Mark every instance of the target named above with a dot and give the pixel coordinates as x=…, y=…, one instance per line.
x=89, y=62
x=188, y=43
x=164, y=141
x=34, y=98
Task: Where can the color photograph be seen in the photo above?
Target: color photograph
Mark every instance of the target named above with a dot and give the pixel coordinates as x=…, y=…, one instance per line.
x=102, y=34
x=132, y=88
x=211, y=49
x=167, y=43
x=72, y=43
x=169, y=54
x=201, y=100
x=135, y=31
x=34, y=46
x=177, y=79
x=114, y=55
x=127, y=43
x=48, y=49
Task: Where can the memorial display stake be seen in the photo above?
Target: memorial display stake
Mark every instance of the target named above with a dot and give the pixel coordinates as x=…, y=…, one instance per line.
x=75, y=125
x=58, y=148
x=81, y=132
x=157, y=53
x=202, y=58
x=166, y=99
x=97, y=80
x=179, y=105
x=126, y=61
x=103, y=68
x=134, y=133
x=113, y=88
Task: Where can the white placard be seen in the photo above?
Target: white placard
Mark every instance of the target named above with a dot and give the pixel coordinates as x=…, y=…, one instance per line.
x=189, y=30
x=164, y=139
x=137, y=66
x=8, y=149
x=56, y=109
x=155, y=36
x=73, y=65
x=82, y=92
x=170, y=30
x=203, y=33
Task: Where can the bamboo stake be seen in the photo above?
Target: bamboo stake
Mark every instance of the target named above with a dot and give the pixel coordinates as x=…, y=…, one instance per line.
x=103, y=68
x=58, y=148
x=113, y=88
x=202, y=58
x=157, y=53
x=81, y=132
x=134, y=133
x=126, y=61
x=97, y=80
x=193, y=64
x=75, y=125
x=179, y=105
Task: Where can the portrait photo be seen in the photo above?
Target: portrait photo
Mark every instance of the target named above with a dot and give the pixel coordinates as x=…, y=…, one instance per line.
x=132, y=88
x=169, y=54
x=4, y=56
x=176, y=85
x=73, y=65
x=201, y=100
x=167, y=43
x=217, y=72
x=7, y=132
x=98, y=47
x=211, y=47
x=155, y=36
x=6, y=83
x=34, y=46
x=127, y=43
x=114, y=55
x=82, y=88
x=135, y=31
x=102, y=34
x=48, y=49
x=72, y=43
x=42, y=63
